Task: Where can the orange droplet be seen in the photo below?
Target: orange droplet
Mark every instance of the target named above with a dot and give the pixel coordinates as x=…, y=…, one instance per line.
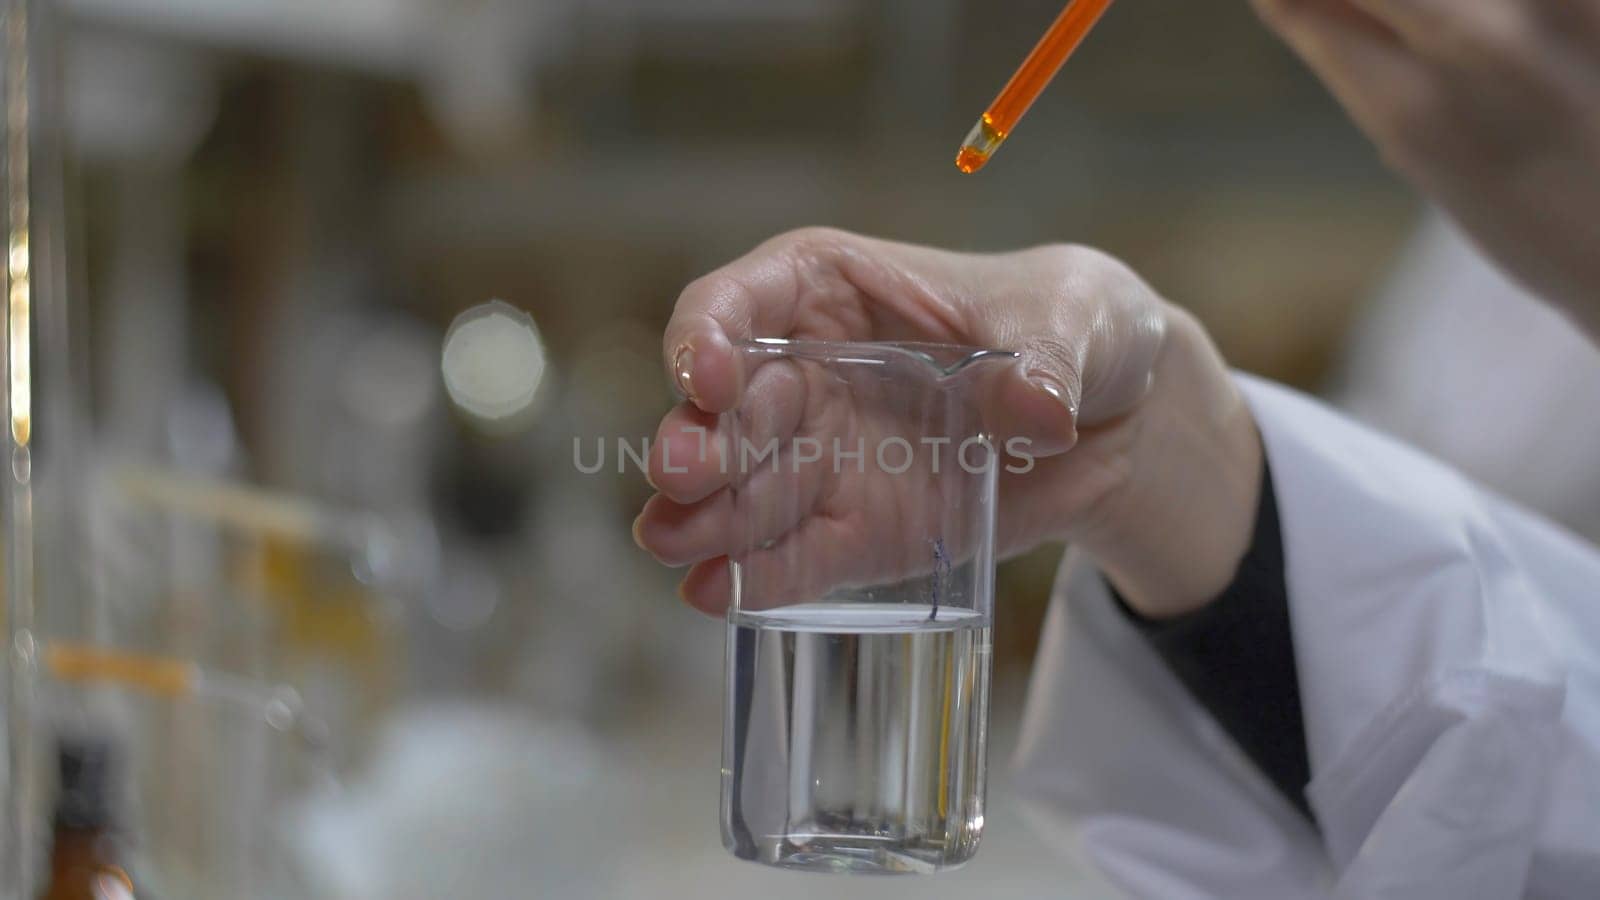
x=971, y=159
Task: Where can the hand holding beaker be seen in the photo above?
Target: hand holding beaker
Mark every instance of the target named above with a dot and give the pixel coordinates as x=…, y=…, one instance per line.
x=834, y=479
x=1089, y=336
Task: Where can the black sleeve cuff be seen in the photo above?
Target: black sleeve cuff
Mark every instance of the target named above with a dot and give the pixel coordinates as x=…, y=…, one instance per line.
x=1236, y=658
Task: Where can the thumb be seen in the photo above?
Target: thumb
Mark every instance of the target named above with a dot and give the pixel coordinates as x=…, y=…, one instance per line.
x=1089, y=333
x=1038, y=400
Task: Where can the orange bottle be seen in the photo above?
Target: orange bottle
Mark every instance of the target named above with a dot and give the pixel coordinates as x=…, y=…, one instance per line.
x=84, y=845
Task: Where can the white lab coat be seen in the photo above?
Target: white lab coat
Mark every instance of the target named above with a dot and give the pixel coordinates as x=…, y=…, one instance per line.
x=1448, y=647
x=1449, y=337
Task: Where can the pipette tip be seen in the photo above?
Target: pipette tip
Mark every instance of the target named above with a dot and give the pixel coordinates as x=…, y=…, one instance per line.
x=981, y=143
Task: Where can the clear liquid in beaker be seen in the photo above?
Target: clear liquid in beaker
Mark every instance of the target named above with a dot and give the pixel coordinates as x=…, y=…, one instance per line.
x=855, y=737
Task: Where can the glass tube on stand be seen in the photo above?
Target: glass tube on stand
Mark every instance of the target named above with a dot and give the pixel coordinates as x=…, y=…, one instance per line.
x=38, y=509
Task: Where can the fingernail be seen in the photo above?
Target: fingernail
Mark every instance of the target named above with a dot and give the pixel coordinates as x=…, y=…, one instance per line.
x=1049, y=386
x=1052, y=387
x=683, y=370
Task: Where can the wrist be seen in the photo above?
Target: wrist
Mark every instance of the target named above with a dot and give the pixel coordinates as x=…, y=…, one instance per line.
x=1171, y=533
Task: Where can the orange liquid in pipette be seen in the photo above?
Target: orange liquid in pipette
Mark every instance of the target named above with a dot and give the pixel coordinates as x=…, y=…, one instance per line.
x=1053, y=50
x=971, y=159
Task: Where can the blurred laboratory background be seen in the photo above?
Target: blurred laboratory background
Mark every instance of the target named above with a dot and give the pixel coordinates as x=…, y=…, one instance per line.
x=308, y=624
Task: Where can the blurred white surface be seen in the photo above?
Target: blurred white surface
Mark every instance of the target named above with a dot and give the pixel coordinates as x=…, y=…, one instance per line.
x=487, y=802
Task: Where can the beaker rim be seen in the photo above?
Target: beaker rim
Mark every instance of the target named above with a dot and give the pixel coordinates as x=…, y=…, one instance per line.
x=944, y=359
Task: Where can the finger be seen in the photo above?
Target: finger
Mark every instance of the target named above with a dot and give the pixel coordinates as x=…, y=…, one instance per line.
x=1451, y=28
x=1033, y=408
x=758, y=488
x=1387, y=89
x=702, y=342
x=688, y=460
x=802, y=567
x=769, y=503
x=1331, y=25
x=708, y=586
x=754, y=296
x=1088, y=330
x=678, y=534
x=826, y=284
x=1039, y=398
x=1348, y=12
x=696, y=453
x=877, y=543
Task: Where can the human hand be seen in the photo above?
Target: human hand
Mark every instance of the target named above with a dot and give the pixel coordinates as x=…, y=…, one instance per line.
x=1144, y=452
x=1491, y=107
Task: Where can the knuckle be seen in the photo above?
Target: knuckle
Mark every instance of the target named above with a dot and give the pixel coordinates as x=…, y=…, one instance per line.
x=1071, y=267
x=805, y=252
x=810, y=240
x=1083, y=274
x=690, y=305
x=710, y=289
x=1059, y=353
x=1499, y=36
x=1066, y=256
x=703, y=302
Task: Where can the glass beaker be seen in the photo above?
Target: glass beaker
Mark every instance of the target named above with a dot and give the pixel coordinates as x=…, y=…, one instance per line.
x=863, y=489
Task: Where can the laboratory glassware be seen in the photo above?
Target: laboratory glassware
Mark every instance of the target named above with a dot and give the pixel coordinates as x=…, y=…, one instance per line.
x=41, y=548
x=215, y=764
x=863, y=489
x=260, y=583
x=242, y=657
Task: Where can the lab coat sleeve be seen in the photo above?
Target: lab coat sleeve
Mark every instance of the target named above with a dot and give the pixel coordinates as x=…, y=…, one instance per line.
x=1448, y=649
